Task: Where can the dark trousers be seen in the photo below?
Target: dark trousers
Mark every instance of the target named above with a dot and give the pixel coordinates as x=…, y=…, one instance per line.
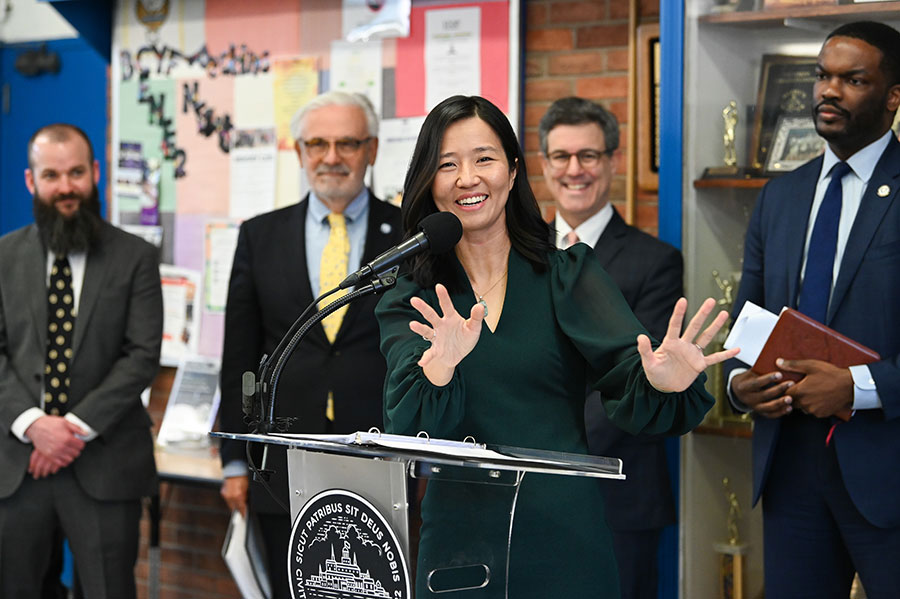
x=53, y=587
x=276, y=534
x=814, y=537
x=636, y=557
x=103, y=536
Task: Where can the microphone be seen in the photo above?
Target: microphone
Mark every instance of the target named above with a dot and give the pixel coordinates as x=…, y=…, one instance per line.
x=438, y=232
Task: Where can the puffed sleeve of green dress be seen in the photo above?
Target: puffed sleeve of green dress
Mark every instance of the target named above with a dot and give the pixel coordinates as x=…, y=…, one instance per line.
x=595, y=317
x=411, y=402
x=572, y=314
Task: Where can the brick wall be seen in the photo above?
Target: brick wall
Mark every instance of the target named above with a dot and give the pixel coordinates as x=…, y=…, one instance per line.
x=571, y=48
x=581, y=49
x=192, y=530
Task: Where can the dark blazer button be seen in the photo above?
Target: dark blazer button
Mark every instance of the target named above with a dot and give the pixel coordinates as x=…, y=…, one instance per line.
x=37, y=377
x=337, y=353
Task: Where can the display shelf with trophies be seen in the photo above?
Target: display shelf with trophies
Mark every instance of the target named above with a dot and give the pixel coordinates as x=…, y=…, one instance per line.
x=817, y=11
x=762, y=61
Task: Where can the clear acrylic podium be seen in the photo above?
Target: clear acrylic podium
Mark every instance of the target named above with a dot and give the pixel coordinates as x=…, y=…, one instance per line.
x=372, y=470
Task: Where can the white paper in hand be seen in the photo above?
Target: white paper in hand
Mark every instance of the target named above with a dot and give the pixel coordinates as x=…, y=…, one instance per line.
x=750, y=331
x=244, y=560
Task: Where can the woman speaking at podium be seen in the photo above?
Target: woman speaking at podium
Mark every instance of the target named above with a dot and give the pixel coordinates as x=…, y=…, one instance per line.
x=499, y=340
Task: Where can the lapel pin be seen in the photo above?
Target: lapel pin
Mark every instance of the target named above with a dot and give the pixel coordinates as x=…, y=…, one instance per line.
x=386, y=227
x=883, y=191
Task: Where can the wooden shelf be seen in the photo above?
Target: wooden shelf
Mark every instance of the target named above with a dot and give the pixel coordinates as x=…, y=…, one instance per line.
x=736, y=183
x=738, y=430
x=876, y=11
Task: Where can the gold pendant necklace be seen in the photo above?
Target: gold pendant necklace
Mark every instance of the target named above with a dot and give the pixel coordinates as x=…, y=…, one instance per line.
x=481, y=295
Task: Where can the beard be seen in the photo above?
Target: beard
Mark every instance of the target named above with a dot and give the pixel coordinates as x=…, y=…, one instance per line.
x=64, y=235
x=860, y=126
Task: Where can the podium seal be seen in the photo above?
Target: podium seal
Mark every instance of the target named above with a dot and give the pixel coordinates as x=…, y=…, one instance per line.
x=342, y=547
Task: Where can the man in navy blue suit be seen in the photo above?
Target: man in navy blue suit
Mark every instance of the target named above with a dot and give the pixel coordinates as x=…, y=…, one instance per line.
x=831, y=489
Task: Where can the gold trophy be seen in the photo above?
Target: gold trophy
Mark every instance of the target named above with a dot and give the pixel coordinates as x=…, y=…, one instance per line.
x=729, y=158
x=722, y=414
x=732, y=552
x=730, y=116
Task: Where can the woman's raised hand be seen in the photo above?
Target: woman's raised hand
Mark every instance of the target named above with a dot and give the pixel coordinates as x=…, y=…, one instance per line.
x=452, y=337
x=679, y=358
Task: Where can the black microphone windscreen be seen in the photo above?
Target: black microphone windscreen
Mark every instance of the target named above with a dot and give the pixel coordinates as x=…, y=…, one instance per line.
x=443, y=231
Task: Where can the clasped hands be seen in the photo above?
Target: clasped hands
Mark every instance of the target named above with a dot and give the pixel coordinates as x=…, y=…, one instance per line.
x=672, y=366
x=823, y=391
x=56, y=445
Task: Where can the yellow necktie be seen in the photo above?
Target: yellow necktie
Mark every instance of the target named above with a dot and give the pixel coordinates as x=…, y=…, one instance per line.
x=333, y=270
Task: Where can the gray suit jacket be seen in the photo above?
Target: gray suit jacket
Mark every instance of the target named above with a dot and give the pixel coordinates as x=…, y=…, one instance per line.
x=116, y=346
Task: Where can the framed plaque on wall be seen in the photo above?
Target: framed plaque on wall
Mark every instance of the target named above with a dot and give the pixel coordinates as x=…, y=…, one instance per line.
x=785, y=90
x=795, y=142
x=648, y=107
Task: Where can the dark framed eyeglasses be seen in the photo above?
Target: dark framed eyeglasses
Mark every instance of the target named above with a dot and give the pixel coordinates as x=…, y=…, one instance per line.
x=317, y=147
x=586, y=158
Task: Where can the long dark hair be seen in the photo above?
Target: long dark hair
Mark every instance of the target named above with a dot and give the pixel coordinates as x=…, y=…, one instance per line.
x=528, y=233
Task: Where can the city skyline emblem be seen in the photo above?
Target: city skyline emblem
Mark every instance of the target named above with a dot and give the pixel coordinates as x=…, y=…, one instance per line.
x=342, y=547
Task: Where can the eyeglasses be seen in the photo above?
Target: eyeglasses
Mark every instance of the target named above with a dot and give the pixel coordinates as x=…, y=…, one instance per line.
x=347, y=146
x=586, y=158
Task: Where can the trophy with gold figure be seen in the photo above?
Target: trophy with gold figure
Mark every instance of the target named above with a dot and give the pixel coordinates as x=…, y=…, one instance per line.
x=722, y=413
x=729, y=157
x=731, y=552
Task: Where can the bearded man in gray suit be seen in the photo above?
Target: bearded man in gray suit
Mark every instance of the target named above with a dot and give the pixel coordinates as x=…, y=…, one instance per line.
x=80, y=336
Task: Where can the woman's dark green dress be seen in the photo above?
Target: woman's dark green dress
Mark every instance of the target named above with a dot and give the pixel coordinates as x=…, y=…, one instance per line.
x=524, y=385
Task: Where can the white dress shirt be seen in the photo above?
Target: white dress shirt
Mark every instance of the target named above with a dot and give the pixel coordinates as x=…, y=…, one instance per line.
x=588, y=232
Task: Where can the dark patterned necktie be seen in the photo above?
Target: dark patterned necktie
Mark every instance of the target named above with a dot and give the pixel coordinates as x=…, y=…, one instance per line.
x=60, y=328
x=816, y=290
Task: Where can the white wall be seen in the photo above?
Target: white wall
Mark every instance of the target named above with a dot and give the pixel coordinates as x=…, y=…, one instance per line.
x=32, y=20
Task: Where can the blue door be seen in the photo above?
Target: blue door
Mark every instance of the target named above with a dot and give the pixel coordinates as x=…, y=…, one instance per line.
x=76, y=94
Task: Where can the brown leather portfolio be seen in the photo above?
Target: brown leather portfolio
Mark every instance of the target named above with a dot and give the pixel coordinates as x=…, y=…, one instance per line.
x=796, y=336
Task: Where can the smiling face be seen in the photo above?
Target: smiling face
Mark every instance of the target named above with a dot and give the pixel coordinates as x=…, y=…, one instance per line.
x=854, y=104
x=62, y=174
x=579, y=191
x=336, y=176
x=474, y=177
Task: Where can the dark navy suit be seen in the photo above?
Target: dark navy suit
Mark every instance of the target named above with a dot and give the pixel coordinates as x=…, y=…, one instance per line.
x=858, y=473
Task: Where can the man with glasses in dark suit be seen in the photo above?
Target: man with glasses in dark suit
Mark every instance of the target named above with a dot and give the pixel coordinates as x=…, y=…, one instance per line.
x=579, y=150
x=284, y=260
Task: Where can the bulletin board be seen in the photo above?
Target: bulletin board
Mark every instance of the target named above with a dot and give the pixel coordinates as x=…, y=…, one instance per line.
x=203, y=93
